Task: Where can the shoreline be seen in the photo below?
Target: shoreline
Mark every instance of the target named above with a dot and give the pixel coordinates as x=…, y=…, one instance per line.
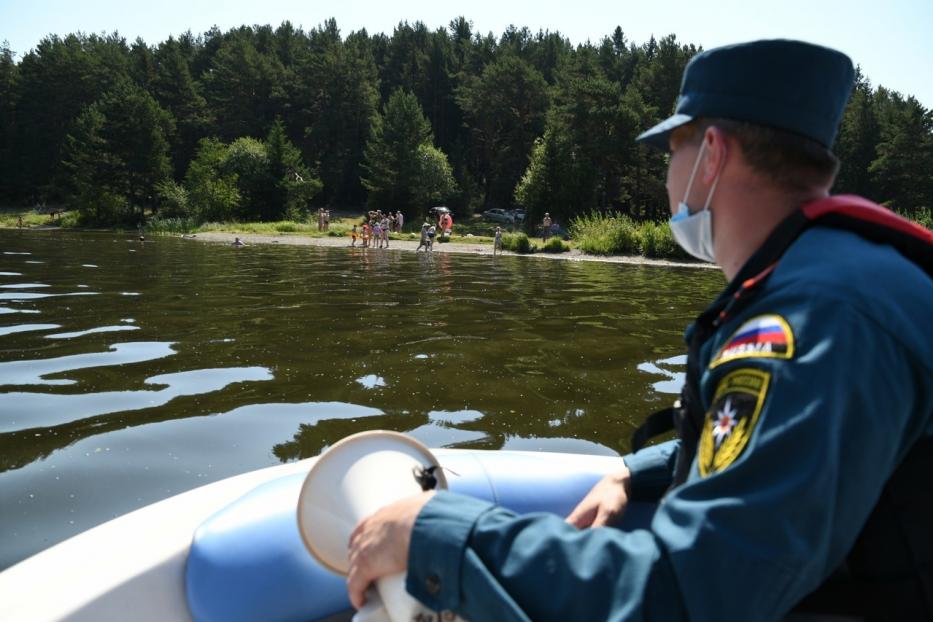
x=465, y=248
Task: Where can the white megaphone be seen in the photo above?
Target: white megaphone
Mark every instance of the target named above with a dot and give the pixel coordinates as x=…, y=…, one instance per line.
x=357, y=476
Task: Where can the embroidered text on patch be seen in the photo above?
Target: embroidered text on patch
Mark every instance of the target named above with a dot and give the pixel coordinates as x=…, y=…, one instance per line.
x=731, y=419
x=765, y=336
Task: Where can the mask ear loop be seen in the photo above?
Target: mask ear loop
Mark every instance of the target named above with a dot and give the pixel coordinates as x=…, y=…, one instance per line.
x=696, y=165
x=709, y=197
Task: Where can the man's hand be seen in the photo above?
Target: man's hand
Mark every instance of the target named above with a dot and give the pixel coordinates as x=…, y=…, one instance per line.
x=379, y=545
x=605, y=503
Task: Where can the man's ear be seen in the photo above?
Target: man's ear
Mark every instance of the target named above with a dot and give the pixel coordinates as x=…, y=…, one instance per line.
x=716, y=153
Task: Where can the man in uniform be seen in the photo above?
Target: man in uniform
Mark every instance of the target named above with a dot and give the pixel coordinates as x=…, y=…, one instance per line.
x=800, y=481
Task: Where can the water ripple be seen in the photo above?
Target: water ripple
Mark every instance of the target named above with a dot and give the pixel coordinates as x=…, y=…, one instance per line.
x=6, y=310
x=33, y=296
x=25, y=328
x=457, y=417
x=34, y=371
x=372, y=381
x=675, y=379
x=91, y=331
x=22, y=411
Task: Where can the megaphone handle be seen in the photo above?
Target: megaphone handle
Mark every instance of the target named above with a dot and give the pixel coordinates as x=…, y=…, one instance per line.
x=389, y=602
x=373, y=610
x=399, y=604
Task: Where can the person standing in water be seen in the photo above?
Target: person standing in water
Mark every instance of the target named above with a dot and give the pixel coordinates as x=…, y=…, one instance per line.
x=423, y=243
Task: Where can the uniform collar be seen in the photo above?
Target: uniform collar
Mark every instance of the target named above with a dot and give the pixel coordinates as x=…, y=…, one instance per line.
x=752, y=274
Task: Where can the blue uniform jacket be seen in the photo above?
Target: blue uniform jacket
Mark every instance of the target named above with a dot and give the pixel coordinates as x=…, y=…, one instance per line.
x=813, y=393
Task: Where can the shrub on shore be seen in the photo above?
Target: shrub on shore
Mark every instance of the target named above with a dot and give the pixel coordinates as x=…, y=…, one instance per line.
x=556, y=245
x=657, y=241
x=175, y=224
x=601, y=233
x=518, y=243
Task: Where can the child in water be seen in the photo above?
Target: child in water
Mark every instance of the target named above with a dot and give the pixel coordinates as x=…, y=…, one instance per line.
x=497, y=243
x=423, y=243
x=353, y=235
x=377, y=234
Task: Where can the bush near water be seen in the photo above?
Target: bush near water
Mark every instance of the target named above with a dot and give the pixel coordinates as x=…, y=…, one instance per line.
x=601, y=233
x=518, y=243
x=555, y=245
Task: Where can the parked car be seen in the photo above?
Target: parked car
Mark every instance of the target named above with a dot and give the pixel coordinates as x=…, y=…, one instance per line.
x=499, y=215
x=518, y=215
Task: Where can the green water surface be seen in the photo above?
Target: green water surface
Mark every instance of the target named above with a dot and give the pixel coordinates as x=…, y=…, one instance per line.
x=131, y=371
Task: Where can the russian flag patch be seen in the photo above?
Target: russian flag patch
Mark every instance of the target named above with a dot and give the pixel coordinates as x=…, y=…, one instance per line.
x=765, y=336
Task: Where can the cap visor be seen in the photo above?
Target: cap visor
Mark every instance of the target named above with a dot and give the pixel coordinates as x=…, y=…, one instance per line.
x=659, y=135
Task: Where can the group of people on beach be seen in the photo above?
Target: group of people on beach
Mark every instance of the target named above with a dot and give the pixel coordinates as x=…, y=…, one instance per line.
x=376, y=228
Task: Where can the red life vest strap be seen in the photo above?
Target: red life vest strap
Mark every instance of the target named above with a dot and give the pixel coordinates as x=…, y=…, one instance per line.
x=875, y=223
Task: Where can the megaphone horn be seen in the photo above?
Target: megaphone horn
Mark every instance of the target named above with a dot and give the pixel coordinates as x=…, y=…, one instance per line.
x=350, y=481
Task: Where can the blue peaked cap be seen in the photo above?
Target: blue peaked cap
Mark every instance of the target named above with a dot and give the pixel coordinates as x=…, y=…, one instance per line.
x=790, y=85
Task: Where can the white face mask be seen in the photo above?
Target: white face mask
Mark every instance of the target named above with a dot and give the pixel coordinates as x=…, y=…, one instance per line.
x=694, y=232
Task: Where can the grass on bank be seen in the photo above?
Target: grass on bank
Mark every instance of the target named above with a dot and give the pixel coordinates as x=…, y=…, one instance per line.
x=39, y=217
x=599, y=233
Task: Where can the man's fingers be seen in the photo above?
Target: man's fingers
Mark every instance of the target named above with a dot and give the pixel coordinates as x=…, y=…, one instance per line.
x=582, y=516
x=357, y=584
x=603, y=517
x=356, y=533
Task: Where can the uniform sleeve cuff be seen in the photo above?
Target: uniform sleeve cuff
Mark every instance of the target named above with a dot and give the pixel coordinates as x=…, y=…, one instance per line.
x=652, y=470
x=438, y=540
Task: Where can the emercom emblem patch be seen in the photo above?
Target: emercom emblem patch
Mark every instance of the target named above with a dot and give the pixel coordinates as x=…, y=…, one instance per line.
x=765, y=336
x=731, y=419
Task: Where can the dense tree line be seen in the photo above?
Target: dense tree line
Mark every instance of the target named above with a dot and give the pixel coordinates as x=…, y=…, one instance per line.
x=263, y=123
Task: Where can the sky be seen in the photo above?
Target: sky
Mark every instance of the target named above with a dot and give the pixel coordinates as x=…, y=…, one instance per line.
x=892, y=40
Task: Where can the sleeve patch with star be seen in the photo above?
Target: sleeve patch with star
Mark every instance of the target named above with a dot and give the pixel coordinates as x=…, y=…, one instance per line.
x=731, y=419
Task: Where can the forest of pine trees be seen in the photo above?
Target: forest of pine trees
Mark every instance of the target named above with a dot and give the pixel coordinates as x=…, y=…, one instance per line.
x=263, y=123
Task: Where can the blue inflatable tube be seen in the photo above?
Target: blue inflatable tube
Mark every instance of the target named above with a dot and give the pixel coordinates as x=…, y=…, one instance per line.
x=248, y=562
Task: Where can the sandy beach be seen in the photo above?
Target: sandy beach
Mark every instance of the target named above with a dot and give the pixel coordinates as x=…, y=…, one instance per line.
x=411, y=245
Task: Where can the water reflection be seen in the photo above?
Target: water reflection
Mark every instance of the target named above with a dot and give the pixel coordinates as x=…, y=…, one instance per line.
x=91, y=331
x=25, y=328
x=34, y=371
x=372, y=381
x=36, y=296
x=675, y=379
x=23, y=411
x=6, y=310
x=239, y=360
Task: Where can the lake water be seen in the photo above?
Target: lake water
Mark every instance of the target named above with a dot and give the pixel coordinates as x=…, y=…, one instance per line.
x=131, y=371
